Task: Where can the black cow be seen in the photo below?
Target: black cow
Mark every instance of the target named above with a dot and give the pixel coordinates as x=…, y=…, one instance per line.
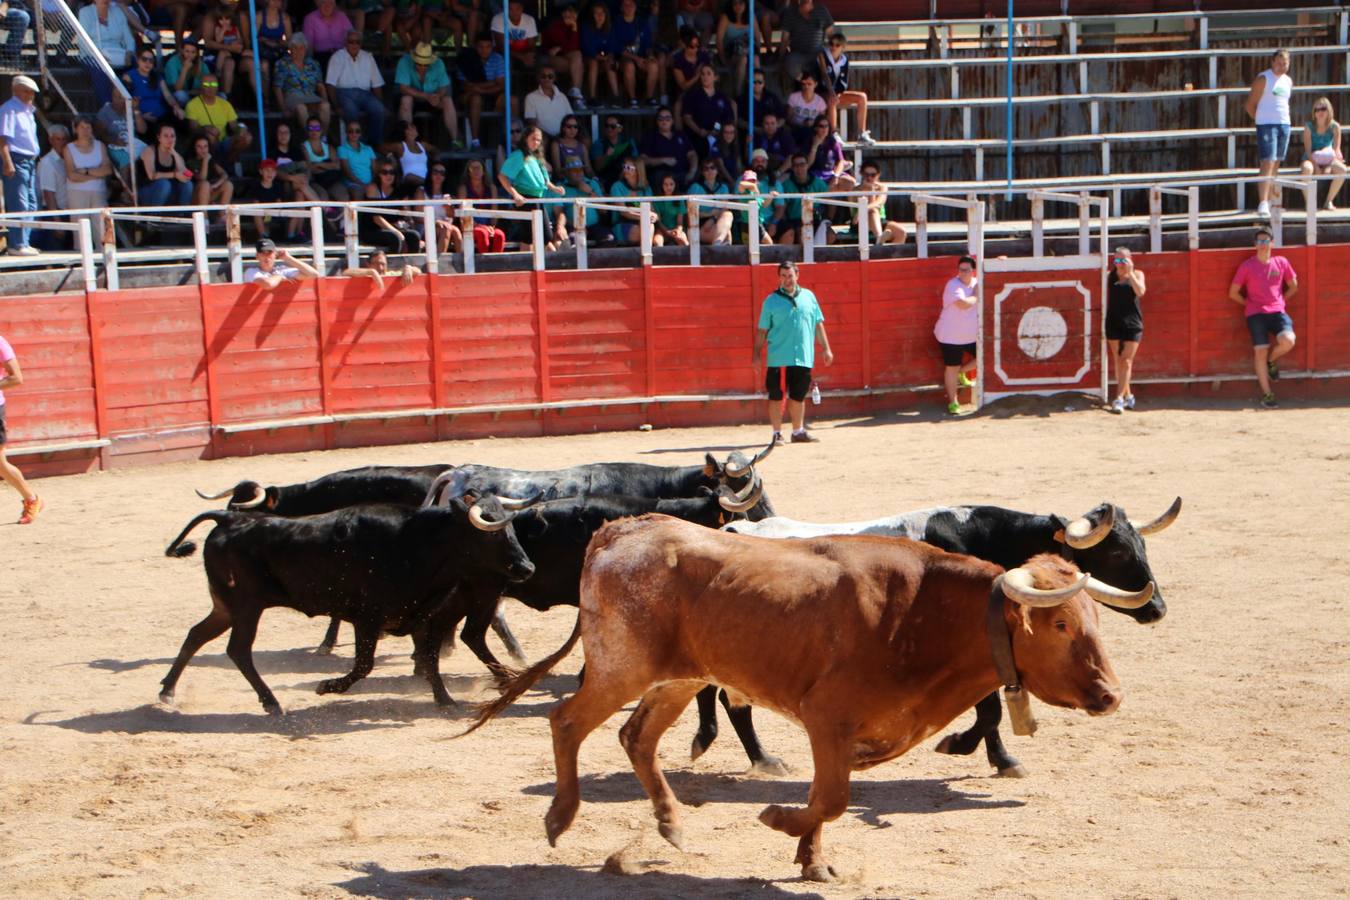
x=617, y=479
x=1103, y=542
x=382, y=567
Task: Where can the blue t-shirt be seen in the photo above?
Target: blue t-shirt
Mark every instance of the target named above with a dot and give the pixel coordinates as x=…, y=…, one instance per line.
x=791, y=325
x=360, y=160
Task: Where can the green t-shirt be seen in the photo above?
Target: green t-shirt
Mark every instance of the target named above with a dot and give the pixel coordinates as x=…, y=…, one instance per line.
x=791, y=325
x=526, y=175
x=620, y=188
x=670, y=212
x=792, y=207
x=592, y=214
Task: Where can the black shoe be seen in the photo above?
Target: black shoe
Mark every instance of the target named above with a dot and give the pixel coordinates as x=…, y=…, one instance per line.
x=801, y=437
x=1269, y=402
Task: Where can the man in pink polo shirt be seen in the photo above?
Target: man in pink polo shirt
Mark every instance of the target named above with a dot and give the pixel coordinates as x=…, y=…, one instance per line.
x=1269, y=281
x=326, y=30
x=12, y=376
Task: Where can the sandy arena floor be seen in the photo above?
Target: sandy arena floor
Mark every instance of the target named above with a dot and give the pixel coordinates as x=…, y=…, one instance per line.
x=1223, y=774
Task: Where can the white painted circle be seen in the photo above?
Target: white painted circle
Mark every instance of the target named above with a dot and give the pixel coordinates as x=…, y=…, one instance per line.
x=1042, y=332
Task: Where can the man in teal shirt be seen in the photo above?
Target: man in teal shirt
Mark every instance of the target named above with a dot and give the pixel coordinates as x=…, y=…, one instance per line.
x=790, y=324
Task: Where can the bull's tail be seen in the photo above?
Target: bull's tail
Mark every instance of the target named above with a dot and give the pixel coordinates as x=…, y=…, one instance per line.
x=522, y=682
x=179, y=547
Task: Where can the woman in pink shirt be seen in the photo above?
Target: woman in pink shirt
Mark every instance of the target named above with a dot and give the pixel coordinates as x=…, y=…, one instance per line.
x=957, y=330
x=13, y=377
x=1269, y=281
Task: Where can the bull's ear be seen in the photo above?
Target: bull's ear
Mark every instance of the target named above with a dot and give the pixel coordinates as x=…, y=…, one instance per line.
x=1059, y=536
x=711, y=467
x=273, y=495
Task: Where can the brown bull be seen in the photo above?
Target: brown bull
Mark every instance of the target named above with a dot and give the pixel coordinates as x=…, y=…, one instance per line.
x=871, y=644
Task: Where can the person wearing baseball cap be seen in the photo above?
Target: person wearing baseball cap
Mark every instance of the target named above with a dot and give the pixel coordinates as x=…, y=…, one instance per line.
x=19, y=153
x=268, y=273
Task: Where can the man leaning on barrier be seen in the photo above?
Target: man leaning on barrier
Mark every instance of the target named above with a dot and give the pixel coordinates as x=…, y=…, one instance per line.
x=271, y=274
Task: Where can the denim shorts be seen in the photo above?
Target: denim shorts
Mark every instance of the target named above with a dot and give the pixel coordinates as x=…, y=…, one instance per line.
x=1272, y=142
x=1263, y=325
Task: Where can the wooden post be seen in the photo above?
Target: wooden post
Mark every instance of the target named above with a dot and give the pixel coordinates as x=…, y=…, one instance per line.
x=321, y=287
x=538, y=282
x=1155, y=219
x=921, y=227
x=1037, y=225
x=649, y=327
x=1311, y=288
x=1193, y=325
x=92, y=301
x=436, y=334
x=209, y=364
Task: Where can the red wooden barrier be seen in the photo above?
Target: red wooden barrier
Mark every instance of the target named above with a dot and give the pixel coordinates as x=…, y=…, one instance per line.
x=231, y=369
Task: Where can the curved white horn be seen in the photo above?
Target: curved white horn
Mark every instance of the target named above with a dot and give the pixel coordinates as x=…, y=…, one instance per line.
x=476, y=517
x=1114, y=596
x=746, y=498
x=1080, y=534
x=1161, y=522
x=510, y=503
x=259, y=496
x=1018, y=586
x=221, y=496
x=762, y=455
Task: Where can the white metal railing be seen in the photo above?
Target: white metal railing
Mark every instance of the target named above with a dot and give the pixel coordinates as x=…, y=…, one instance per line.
x=101, y=247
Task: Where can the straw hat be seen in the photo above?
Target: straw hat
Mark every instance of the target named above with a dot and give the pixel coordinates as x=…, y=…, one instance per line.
x=423, y=55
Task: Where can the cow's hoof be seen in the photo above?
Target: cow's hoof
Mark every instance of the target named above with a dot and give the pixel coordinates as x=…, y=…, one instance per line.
x=166, y=697
x=673, y=833
x=697, y=747
x=770, y=765
x=1016, y=770
x=273, y=709
x=819, y=872
x=332, y=686
x=556, y=822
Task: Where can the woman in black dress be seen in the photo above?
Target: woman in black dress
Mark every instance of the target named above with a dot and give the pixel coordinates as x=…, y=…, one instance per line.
x=1124, y=323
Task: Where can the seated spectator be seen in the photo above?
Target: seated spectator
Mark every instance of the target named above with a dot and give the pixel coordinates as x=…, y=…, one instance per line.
x=183, y=74
x=466, y=20
x=579, y=184
x=164, y=176
x=698, y=15
x=152, y=100
x=793, y=228
x=402, y=18
x=436, y=14
x=106, y=24
x=728, y=153
x=630, y=42
x=670, y=214
x=524, y=34
x=1322, y=148
x=825, y=157
x=14, y=18
x=414, y=157
x=223, y=44
x=327, y=175
x=733, y=42
x=805, y=28
x=562, y=51
x=295, y=81
x=767, y=212
x=703, y=110
x=833, y=67
x=51, y=185
x=326, y=28
x=627, y=224
x=423, y=83
x=546, y=105
x=610, y=150
x=484, y=76
x=882, y=231
x=766, y=102
x=216, y=119
x=180, y=14
x=358, y=160
x=804, y=105
x=271, y=190
x=570, y=146
x=277, y=268
x=475, y=185
x=777, y=144
x=449, y=237
x=87, y=169
x=714, y=223
x=377, y=269
x=391, y=230
x=111, y=127
x=667, y=149
x=687, y=60
x=210, y=181
x=358, y=10
x=524, y=177
x=353, y=82
x=595, y=49
x=274, y=33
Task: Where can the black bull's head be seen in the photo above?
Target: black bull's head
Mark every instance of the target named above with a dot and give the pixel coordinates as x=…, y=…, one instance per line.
x=246, y=495
x=737, y=472
x=1110, y=546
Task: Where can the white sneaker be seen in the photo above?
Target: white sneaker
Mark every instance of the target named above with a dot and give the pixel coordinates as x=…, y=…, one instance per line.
x=865, y=138
x=24, y=251
x=1129, y=402
x=1263, y=210
x=1118, y=405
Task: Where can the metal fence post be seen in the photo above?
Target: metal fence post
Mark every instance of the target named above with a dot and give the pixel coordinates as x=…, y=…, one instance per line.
x=85, y=240
x=537, y=235
x=466, y=226
x=199, y=245
x=864, y=214
x=1193, y=217
x=108, y=232
x=316, y=238
x=808, y=231
x=232, y=241
x=753, y=226
x=1310, y=201
x=579, y=237
x=695, y=234
x=645, y=231
x=1155, y=219
x=431, y=239
x=1084, y=224
x=1037, y=225
x=349, y=235
x=921, y=227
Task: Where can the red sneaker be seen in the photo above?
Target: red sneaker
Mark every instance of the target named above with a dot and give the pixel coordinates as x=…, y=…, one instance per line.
x=31, y=508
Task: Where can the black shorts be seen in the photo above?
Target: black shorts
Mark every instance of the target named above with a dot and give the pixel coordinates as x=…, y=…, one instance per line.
x=1124, y=331
x=798, y=382
x=954, y=354
x=4, y=434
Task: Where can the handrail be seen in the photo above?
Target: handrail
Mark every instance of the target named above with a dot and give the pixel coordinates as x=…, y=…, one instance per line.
x=1075, y=58
x=1062, y=19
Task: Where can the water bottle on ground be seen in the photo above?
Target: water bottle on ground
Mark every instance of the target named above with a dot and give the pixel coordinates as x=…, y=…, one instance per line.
x=815, y=392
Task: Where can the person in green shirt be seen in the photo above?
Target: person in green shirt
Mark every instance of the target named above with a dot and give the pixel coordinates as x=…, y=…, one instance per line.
x=801, y=181
x=670, y=213
x=578, y=185
x=627, y=229
x=714, y=223
x=525, y=179
x=790, y=326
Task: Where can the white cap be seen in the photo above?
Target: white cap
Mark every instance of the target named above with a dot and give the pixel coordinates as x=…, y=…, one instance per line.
x=24, y=81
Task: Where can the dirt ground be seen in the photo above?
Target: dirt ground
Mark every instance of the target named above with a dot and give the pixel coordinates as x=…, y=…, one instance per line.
x=1223, y=774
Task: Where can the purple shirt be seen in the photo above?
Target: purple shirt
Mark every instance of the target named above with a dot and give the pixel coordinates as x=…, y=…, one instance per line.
x=326, y=35
x=1264, y=282
x=6, y=354
x=828, y=155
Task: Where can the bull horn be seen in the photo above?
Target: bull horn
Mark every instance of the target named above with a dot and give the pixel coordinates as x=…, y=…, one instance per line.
x=510, y=503
x=1161, y=522
x=259, y=497
x=746, y=498
x=1114, y=596
x=221, y=496
x=762, y=455
x=1080, y=534
x=1018, y=586
x=479, y=522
